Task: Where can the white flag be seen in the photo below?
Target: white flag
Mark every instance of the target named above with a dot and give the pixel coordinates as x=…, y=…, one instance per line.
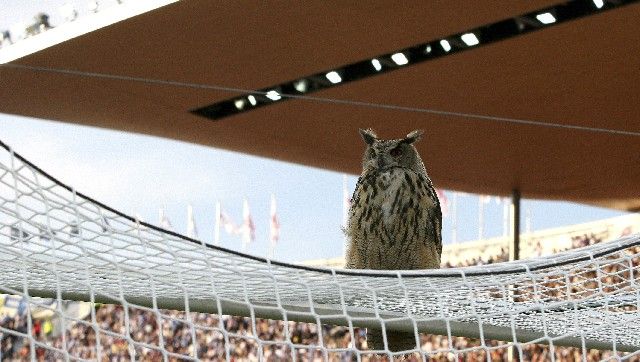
x=248, y=228
x=164, y=220
x=274, y=230
x=192, y=231
x=224, y=221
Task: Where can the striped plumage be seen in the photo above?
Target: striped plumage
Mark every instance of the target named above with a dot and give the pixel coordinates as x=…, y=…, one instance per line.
x=395, y=220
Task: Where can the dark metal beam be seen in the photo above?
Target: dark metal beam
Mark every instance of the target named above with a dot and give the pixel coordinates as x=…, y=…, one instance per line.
x=514, y=248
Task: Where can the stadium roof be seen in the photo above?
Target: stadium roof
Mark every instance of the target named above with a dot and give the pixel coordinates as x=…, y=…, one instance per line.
x=553, y=112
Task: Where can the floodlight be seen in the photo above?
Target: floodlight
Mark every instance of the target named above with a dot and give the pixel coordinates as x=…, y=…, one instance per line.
x=273, y=95
x=445, y=45
x=334, y=77
x=546, y=18
x=399, y=58
x=470, y=39
x=376, y=64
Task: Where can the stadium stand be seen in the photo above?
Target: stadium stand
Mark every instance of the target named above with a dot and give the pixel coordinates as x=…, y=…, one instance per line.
x=238, y=342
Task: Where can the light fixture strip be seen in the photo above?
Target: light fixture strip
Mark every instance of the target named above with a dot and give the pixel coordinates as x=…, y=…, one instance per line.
x=473, y=38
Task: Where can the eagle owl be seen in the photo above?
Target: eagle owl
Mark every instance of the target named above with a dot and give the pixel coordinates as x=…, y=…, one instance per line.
x=395, y=221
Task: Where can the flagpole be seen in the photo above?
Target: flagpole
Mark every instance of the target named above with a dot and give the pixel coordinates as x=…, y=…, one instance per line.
x=192, y=230
x=514, y=246
x=514, y=249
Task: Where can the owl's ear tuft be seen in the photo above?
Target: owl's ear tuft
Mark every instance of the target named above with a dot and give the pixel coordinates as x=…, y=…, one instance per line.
x=368, y=135
x=413, y=136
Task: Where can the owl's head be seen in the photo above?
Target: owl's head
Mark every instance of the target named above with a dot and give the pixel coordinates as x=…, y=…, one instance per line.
x=382, y=154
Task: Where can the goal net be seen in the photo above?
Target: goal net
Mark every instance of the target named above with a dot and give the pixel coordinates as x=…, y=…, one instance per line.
x=182, y=299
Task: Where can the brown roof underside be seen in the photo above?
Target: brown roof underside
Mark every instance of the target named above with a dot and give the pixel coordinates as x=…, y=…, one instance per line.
x=585, y=72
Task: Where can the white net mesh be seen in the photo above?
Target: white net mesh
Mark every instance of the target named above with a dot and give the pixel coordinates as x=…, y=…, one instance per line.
x=63, y=246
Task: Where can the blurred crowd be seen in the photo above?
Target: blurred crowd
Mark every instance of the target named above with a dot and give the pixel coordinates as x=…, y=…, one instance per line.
x=502, y=256
x=158, y=334
x=41, y=21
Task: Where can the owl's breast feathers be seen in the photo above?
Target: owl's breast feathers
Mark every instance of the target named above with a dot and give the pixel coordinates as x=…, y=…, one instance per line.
x=394, y=222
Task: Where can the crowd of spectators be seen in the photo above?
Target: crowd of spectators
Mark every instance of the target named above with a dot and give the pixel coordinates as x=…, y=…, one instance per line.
x=41, y=23
x=501, y=257
x=155, y=335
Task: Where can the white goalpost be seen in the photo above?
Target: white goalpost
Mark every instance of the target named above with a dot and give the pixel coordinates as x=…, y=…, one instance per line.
x=60, y=245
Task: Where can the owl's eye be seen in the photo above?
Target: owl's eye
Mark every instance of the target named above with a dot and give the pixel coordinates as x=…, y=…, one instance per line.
x=395, y=152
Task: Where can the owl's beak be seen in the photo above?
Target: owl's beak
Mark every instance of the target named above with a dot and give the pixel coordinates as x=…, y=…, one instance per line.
x=381, y=163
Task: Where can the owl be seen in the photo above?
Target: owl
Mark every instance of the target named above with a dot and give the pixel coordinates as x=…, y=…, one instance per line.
x=395, y=221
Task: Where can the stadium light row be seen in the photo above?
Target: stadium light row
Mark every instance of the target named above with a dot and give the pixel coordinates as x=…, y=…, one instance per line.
x=472, y=38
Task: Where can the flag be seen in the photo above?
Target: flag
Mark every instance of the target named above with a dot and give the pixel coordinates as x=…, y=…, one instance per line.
x=224, y=221
x=274, y=229
x=192, y=231
x=444, y=202
x=230, y=227
x=248, y=228
x=164, y=220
